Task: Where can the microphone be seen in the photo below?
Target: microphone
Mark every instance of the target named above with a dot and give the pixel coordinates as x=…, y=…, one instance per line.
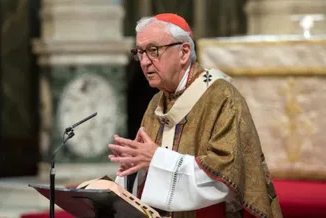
x=69, y=131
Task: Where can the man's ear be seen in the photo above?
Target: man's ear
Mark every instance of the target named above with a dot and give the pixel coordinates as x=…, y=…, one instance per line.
x=185, y=52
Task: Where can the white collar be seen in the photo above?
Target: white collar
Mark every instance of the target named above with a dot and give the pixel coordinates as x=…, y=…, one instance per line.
x=183, y=82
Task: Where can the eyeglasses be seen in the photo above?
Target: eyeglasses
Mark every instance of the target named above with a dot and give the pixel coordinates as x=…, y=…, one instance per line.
x=152, y=52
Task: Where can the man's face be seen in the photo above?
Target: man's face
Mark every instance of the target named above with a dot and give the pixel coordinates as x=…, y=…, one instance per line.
x=162, y=72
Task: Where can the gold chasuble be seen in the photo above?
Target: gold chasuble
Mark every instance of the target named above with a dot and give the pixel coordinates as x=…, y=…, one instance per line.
x=218, y=130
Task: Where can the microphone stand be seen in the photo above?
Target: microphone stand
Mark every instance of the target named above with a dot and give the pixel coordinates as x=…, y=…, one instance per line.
x=70, y=132
x=52, y=172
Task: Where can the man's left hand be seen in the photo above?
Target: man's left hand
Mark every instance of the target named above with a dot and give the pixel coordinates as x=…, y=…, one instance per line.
x=138, y=154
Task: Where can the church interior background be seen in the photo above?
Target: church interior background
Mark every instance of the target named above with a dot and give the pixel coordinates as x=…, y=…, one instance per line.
x=62, y=60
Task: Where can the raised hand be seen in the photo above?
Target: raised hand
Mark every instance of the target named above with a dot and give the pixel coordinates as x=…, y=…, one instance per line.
x=133, y=155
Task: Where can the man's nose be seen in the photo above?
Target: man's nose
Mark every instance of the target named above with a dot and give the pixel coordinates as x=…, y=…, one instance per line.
x=145, y=60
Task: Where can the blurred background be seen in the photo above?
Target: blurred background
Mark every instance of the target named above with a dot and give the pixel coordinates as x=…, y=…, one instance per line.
x=63, y=60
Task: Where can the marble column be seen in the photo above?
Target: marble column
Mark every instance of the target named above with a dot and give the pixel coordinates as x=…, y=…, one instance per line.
x=284, y=16
x=80, y=40
x=200, y=13
x=144, y=8
x=18, y=92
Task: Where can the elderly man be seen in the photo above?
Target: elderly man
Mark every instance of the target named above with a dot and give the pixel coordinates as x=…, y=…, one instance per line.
x=197, y=153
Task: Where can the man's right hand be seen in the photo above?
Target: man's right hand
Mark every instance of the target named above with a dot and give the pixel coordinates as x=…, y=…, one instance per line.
x=124, y=166
x=137, y=155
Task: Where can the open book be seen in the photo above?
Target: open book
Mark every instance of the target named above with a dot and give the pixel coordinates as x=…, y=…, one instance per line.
x=99, y=198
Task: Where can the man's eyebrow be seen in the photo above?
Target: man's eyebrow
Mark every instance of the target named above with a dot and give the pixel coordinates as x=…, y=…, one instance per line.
x=149, y=45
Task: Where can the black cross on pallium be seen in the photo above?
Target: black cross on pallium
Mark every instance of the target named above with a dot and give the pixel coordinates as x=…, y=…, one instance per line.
x=208, y=78
x=165, y=121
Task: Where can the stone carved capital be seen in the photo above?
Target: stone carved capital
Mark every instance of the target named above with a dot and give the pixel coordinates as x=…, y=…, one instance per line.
x=83, y=52
x=82, y=32
x=63, y=12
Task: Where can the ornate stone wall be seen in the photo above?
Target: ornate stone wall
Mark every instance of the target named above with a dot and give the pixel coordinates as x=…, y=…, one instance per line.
x=282, y=79
x=288, y=113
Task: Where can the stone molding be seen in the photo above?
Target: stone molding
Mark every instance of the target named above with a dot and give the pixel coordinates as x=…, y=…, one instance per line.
x=83, y=52
x=82, y=32
x=58, y=9
x=74, y=19
x=265, y=56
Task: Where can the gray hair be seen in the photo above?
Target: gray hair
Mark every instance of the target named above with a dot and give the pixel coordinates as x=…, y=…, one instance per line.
x=176, y=32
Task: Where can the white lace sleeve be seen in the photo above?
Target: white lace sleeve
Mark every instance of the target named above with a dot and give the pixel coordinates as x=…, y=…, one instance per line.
x=176, y=183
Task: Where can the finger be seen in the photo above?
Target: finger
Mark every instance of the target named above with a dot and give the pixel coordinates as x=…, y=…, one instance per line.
x=123, y=151
x=124, y=160
x=114, y=137
x=144, y=135
x=127, y=142
x=114, y=152
x=124, y=167
x=138, y=137
x=127, y=165
x=112, y=155
x=130, y=171
x=116, y=141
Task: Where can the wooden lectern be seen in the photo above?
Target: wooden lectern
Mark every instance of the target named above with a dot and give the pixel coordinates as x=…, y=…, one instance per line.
x=98, y=199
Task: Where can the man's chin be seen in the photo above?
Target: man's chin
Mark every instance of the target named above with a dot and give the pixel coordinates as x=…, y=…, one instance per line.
x=153, y=84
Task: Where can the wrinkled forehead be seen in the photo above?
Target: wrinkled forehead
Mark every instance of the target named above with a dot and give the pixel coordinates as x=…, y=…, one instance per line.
x=153, y=34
